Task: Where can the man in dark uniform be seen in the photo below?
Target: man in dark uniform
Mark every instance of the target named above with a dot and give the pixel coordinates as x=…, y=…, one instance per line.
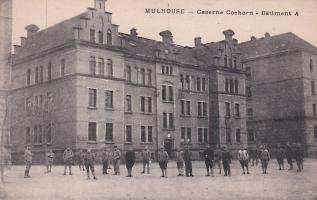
x=28, y=161
x=226, y=160
x=105, y=160
x=289, y=155
x=298, y=155
x=68, y=160
x=188, y=162
x=163, y=160
x=280, y=156
x=146, y=158
x=80, y=159
x=129, y=161
x=89, y=160
x=265, y=158
x=209, y=157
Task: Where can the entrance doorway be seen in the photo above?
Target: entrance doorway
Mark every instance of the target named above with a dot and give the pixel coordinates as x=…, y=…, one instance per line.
x=169, y=145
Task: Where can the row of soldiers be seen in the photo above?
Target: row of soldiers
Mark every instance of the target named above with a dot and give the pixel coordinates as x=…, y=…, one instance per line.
x=212, y=157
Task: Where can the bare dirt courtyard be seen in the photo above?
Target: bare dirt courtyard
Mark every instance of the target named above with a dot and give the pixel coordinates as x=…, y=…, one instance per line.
x=279, y=185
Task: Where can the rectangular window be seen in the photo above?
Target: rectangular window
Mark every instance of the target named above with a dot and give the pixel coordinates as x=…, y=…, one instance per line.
x=92, y=98
x=149, y=71
x=182, y=81
x=235, y=62
x=199, y=109
x=205, y=135
x=182, y=107
x=49, y=71
x=92, y=65
x=150, y=134
x=187, y=82
x=49, y=134
x=238, y=136
x=40, y=133
x=163, y=69
x=63, y=67
x=100, y=37
x=109, y=68
x=28, y=77
x=49, y=99
x=188, y=107
x=200, y=135
x=35, y=134
x=36, y=101
x=314, y=109
x=227, y=109
x=248, y=71
x=36, y=79
x=101, y=66
x=149, y=104
x=129, y=103
x=227, y=85
x=143, y=132
x=128, y=133
x=183, y=134
x=237, y=110
x=228, y=135
x=171, y=120
x=109, y=132
x=143, y=76
x=92, y=35
x=203, y=84
x=198, y=84
x=164, y=120
x=204, y=109
x=313, y=92
x=315, y=133
x=189, y=135
x=171, y=70
x=236, y=86
x=128, y=73
x=108, y=99
x=28, y=135
x=92, y=131
x=231, y=85
x=251, y=137
x=170, y=93
x=311, y=65
x=142, y=104
x=164, y=92
x=249, y=92
x=230, y=62
x=225, y=61
x=41, y=74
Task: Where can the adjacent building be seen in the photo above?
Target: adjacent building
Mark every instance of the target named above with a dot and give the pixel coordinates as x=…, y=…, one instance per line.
x=81, y=83
x=280, y=90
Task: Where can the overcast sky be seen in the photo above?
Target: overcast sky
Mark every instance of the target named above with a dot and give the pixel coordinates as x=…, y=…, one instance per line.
x=130, y=13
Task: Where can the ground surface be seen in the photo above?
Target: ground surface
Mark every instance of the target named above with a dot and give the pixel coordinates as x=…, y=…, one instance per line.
x=277, y=184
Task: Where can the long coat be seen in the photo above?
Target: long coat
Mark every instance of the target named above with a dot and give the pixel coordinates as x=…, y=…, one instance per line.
x=129, y=159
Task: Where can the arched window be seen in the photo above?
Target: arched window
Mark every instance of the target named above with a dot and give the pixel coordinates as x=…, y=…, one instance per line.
x=92, y=65
x=109, y=68
x=109, y=37
x=225, y=61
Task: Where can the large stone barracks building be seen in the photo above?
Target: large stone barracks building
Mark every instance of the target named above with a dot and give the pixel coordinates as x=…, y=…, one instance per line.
x=81, y=83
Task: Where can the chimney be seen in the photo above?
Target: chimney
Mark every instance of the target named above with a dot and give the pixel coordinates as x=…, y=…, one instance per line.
x=228, y=34
x=23, y=40
x=267, y=35
x=253, y=38
x=167, y=37
x=197, y=41
x=133, y=32
x=31, y=29
x=100, y=5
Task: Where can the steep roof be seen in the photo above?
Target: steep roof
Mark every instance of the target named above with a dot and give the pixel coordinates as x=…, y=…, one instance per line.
x=274, y=44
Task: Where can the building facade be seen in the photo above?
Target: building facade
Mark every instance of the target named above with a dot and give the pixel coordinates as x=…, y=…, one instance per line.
x=82, y=83
x=280, y=90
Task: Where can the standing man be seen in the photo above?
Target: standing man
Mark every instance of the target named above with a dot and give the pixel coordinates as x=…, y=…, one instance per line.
x=68, y=160
x=146, y=157
x=50, y=160
x=105, y=160
x=218, y=157
x=80, y=159
x=28, y=161
x=179, y=162
x=116, y=160
x=298, y=155
x=280, y=156
x=163, y=160
x=289, y=155
x=265, y=158
x=188, y=162
x=129, y=161
x=226, y=160
x=89, y=160
x=243, y=157
x=209, y=157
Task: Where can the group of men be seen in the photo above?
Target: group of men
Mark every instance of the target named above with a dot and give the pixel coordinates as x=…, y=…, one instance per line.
x=213, y=157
